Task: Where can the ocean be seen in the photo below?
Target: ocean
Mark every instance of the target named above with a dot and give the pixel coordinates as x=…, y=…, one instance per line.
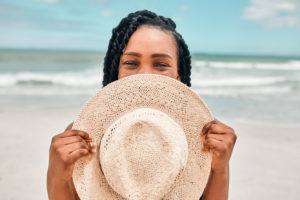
x=260, y=89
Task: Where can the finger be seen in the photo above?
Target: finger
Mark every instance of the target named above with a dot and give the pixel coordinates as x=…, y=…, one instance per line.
x=214, y=136
x=69, y=140
x=210, y=137
x=69, y=127
x=206, y=127
x=75, y=155
x=69, y=133
x=216, y=129
x=75, y=146
x=90, y=146
x=219, y=128
x=73, y=139
x=212, y=144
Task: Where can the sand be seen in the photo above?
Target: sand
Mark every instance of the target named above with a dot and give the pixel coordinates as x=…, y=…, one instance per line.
x=265, y=163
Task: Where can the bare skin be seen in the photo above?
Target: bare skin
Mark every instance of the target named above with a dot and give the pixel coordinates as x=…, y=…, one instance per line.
x=149, y=51
x=152, y=51
x=66, y=148
x=220, y=139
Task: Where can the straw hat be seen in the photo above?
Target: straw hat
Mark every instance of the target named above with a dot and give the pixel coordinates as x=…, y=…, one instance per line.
x=147, y=130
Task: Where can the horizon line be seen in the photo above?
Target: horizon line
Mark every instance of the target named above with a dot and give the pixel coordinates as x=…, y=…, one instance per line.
x=192, y=52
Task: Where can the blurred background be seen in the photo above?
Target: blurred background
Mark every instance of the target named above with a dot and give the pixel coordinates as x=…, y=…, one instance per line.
x=246, y=67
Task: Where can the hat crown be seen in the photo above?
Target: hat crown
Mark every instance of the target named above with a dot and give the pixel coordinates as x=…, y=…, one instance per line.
x=142, y=154
x=123, y=96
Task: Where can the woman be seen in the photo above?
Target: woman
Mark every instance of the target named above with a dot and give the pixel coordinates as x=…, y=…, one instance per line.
x=142, y=43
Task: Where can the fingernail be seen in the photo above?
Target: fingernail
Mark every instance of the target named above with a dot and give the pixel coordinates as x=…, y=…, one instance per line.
x=92, y=145
x=90, y=156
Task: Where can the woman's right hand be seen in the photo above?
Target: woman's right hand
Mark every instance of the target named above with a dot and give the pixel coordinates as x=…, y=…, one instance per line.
x=66, y=148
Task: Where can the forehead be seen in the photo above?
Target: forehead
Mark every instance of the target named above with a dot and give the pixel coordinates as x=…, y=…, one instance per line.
x=149, y=40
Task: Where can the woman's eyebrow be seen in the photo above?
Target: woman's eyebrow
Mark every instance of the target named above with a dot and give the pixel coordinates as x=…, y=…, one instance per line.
x=133, y=54
x=160, y=55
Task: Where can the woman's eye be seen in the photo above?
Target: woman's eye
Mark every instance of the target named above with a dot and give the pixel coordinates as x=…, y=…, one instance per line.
x=130, y=63
x=160, y=64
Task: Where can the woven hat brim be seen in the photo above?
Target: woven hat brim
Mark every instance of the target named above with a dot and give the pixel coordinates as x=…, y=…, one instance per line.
x=139, y=91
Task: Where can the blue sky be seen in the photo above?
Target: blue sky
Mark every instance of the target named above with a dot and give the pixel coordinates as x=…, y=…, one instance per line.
x=257, y=27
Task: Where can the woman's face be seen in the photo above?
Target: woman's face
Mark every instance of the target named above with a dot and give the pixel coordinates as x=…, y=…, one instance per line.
x=149, y=51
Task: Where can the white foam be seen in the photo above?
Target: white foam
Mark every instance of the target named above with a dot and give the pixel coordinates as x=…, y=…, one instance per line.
x=199, y=63
x=7, y=80
x=291, y=65
x=48, y=91
x=236, y=81
x=85, y=78
x=243, y=91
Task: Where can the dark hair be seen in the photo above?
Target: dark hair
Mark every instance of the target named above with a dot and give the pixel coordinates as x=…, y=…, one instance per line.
x=122, y=33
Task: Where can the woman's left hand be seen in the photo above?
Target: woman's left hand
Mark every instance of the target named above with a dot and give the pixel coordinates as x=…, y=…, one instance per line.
x=220, y=139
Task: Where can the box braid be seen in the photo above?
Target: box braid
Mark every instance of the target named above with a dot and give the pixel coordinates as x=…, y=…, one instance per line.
x=122, y=33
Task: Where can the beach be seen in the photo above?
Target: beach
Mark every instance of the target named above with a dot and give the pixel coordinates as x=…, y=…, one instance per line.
x=41, y=93
x=264, y=164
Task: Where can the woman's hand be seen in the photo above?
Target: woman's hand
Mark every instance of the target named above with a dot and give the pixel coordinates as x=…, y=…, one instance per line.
x=220, y=139
x=66, y=148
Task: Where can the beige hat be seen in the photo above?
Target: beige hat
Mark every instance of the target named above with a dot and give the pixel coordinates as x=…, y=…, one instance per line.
x=147, y=130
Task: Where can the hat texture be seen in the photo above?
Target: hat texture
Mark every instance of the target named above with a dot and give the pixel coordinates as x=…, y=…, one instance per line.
x=147, y=130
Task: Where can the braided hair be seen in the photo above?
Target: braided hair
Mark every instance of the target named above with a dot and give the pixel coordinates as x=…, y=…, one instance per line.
x=122, y=33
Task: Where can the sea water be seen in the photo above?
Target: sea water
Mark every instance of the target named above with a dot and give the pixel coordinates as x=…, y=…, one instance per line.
x=261, y=89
